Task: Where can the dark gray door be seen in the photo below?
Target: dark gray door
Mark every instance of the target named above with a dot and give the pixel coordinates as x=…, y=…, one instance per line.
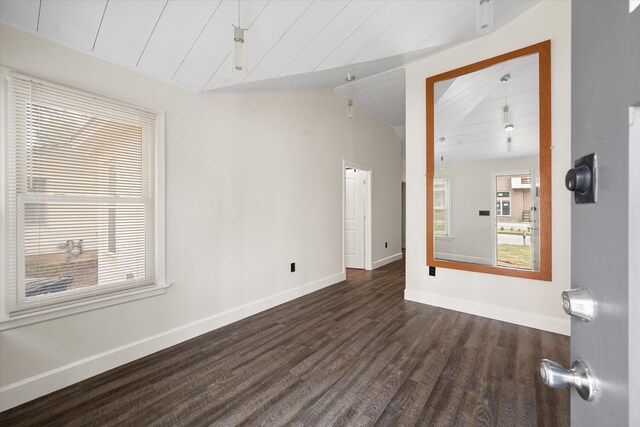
x=605, y=258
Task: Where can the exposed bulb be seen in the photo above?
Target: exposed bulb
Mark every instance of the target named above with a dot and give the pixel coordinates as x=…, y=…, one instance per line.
x=240, y=53
x=350, y=108
x=484, y=16
x=509, y=144
x=442, y=162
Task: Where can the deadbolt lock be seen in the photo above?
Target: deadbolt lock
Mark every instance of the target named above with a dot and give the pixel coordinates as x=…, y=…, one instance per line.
x=579, y=303
x=581, y=179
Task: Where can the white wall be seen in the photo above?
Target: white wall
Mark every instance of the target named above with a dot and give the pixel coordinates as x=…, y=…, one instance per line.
x=522, y=301
x=472, y=189
x=254, y=182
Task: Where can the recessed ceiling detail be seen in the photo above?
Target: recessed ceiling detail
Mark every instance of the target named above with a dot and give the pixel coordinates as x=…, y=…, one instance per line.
x=300, y=44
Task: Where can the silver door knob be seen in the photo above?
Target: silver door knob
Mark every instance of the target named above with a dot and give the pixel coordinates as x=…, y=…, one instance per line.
x=579, y=376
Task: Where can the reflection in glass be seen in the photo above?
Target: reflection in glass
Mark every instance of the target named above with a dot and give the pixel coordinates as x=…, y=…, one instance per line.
x=486, y=126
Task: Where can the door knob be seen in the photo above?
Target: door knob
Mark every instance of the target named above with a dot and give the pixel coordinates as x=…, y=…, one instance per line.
x=579, y=376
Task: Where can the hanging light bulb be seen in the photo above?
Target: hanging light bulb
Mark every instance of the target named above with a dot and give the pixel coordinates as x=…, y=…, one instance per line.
x=442, y=166
x=505, y=115
x=509, y=144
x=508, y=126
x=240, y=62
x=349, y=79
x=484, y=16
x=240, y=52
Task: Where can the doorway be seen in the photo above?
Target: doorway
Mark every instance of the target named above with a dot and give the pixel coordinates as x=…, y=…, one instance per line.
x=356, y=216
x=516, y=200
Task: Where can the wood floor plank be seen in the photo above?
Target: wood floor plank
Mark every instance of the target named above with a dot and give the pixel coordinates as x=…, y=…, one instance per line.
x=355, y=353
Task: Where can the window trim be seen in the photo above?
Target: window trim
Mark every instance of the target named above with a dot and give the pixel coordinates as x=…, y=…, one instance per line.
x=160, y=286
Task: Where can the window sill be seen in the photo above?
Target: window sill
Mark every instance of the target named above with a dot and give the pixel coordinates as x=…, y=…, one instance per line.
x=53, y=313
x=442, y=237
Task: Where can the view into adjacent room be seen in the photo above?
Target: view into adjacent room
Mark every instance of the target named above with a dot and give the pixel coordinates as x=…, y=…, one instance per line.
x=516, y=217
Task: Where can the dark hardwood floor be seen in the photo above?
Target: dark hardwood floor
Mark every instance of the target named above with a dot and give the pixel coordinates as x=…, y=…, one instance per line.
x=354, y=353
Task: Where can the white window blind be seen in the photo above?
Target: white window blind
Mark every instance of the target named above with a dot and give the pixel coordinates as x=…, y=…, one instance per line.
x=441, y=209
x=80, y=196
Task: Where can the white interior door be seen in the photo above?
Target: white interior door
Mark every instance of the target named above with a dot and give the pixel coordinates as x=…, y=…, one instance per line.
x=354, y=218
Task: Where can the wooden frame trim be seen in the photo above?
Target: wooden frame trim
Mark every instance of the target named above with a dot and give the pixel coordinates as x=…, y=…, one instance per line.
x=543, y=50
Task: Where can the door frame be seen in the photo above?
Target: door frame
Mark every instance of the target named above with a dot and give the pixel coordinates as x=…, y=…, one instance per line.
x=368, y=170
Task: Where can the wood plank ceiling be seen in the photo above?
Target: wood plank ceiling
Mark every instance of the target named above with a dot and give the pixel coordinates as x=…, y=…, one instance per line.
x=468, y=113
x=299, y=44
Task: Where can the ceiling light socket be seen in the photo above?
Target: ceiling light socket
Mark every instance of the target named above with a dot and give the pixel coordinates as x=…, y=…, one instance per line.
x=238, y=34
x=441, y=139
x=349, y=78
x=505, y=78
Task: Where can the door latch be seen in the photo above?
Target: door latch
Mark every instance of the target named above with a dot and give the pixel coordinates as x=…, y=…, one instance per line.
x=581, y=179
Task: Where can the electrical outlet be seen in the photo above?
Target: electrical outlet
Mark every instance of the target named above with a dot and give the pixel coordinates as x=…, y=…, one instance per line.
x=293, y=267
x=432, y=271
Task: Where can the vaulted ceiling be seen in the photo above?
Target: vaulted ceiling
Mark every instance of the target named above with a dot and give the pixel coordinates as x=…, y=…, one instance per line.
x=291, y=44
x=468, y=113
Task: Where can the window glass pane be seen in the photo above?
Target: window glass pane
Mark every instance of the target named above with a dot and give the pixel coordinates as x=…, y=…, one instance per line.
x=75, y=153
x=506, y=208
x=73, y=251
x=440, y=204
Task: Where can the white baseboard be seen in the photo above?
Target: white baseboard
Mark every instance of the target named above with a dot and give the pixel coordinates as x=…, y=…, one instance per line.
x=464, y=258
x=28, y=389
x=532, y=320
x=387, y=260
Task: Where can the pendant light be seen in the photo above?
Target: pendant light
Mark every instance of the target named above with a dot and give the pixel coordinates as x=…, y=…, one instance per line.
x=509, y=144
x=508, y=126
x=484, y=16
x=349, y=79
x=240, y=52
x=441, y=140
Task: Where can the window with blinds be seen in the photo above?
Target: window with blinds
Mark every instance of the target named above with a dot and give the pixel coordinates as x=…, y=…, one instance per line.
x=441, y=211
x=80, y=196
